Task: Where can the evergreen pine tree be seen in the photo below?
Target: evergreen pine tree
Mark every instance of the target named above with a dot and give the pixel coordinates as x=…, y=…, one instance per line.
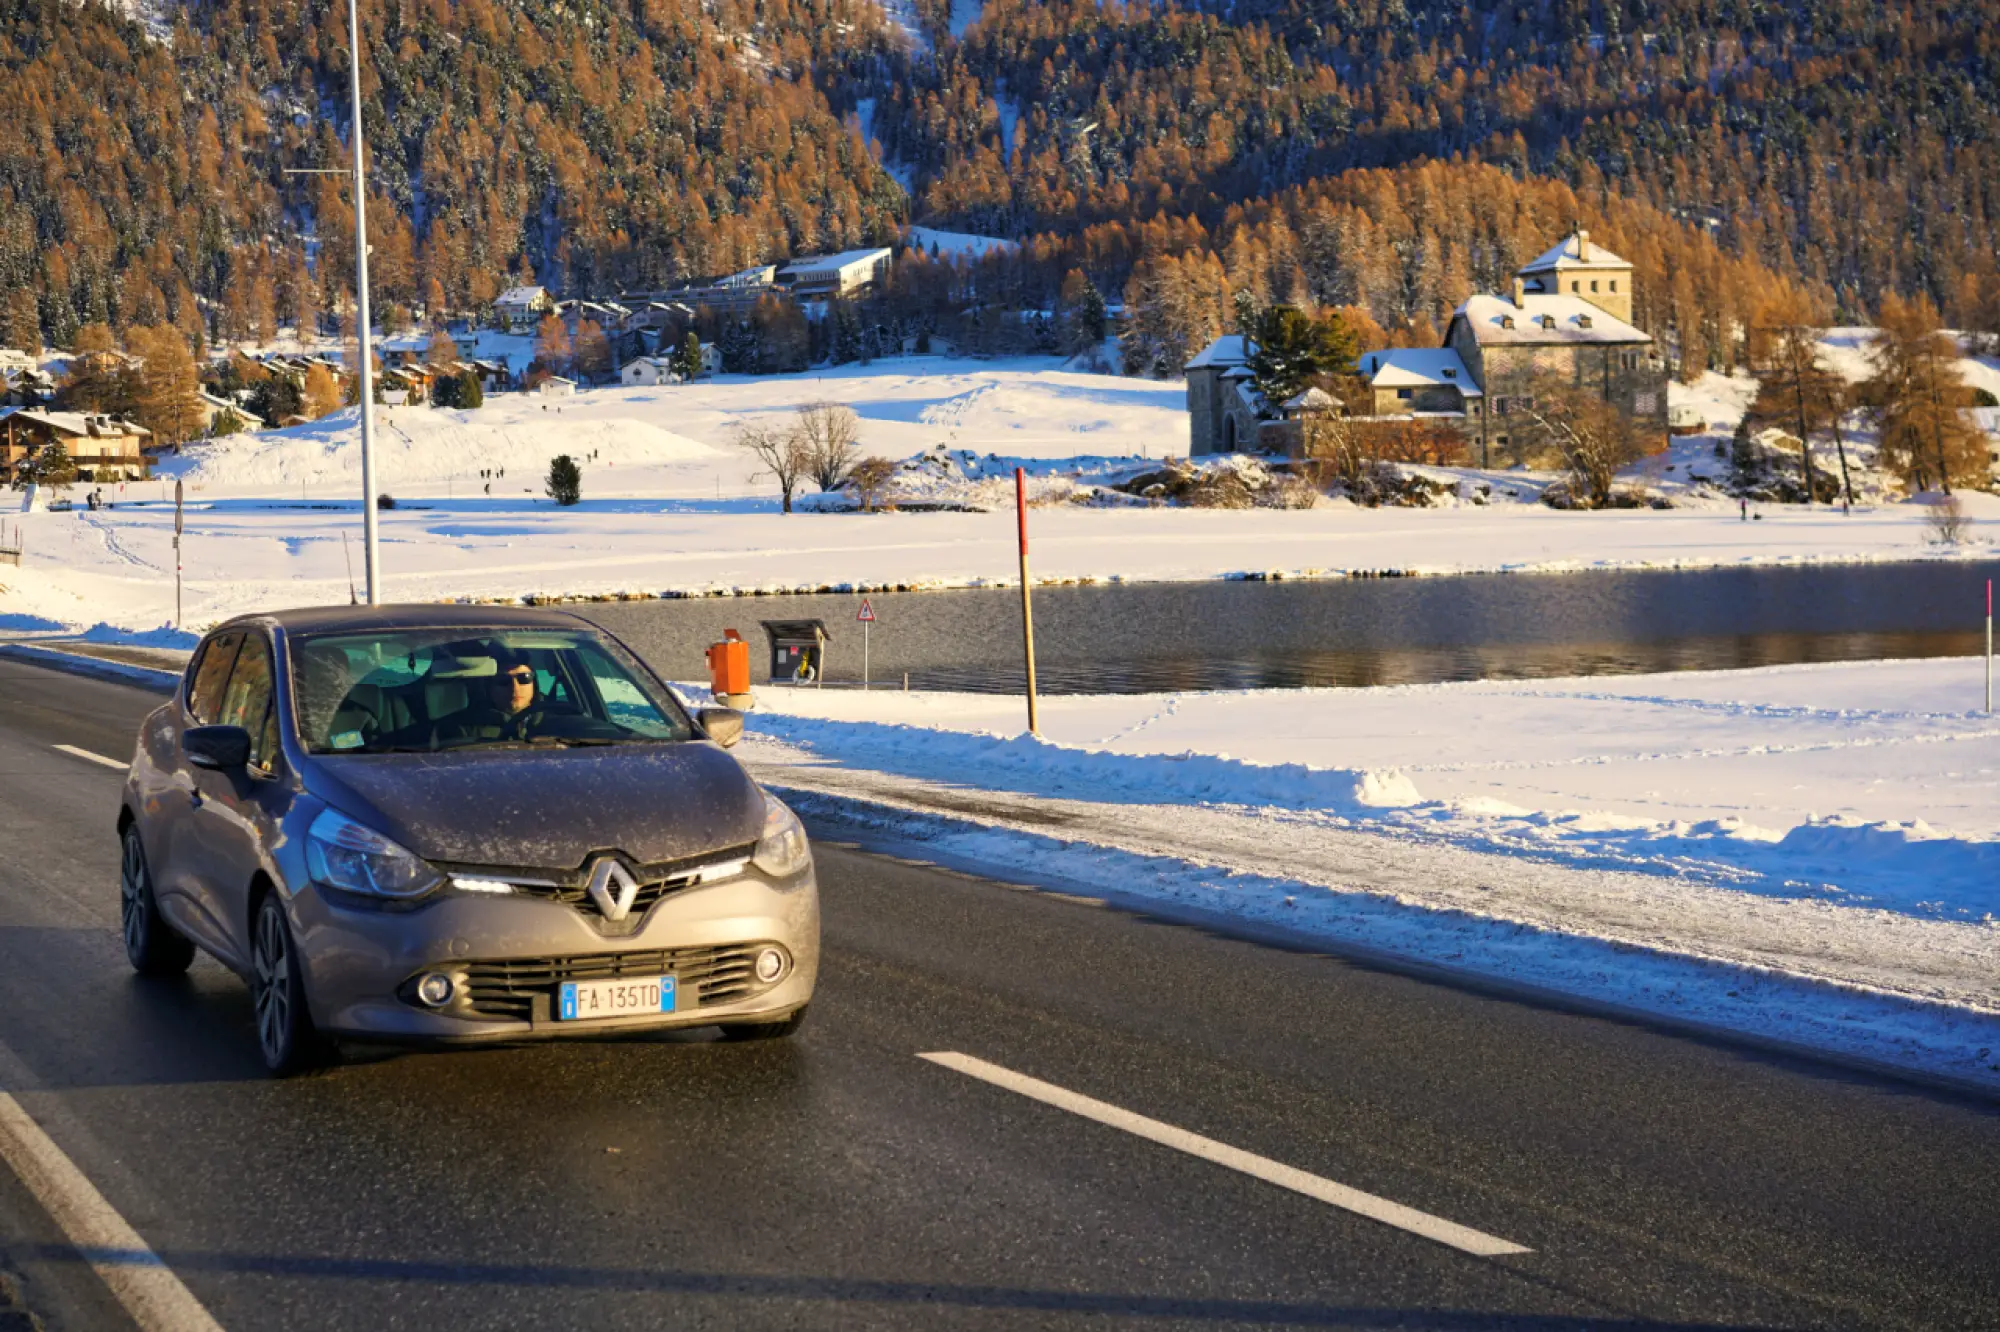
x=565, y=480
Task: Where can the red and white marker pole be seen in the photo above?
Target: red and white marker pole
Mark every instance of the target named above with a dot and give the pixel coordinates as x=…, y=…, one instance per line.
x=178, y=527
x=1027, y=599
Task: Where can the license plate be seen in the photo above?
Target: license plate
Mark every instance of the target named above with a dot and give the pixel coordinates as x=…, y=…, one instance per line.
x=581, y=1000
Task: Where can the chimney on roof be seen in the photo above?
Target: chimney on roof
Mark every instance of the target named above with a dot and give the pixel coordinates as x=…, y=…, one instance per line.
x=1583, y=245
x=1520, y=292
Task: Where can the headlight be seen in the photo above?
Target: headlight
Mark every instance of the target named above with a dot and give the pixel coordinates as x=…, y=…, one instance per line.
x=343, y=854
x=782, y=850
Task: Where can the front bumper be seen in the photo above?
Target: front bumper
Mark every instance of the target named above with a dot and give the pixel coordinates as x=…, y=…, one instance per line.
x=359, y=963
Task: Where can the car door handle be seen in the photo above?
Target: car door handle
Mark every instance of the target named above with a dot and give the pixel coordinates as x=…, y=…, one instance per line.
x=194, y=798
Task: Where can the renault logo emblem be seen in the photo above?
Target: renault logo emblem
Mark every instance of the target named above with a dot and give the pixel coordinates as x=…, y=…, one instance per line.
x=613, y=888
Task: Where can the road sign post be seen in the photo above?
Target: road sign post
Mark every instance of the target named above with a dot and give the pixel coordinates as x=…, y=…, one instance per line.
x=1027, y=598
x=867, y=617
x=179, y=524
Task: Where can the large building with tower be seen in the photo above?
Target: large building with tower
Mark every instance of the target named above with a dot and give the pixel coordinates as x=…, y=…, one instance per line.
x=1567, y=321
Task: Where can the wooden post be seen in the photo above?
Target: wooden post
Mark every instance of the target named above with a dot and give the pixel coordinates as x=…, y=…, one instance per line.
x=1027, y=593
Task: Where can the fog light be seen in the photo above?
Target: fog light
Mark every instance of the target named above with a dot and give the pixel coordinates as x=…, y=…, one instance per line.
x=770, y=965
x=435, y=989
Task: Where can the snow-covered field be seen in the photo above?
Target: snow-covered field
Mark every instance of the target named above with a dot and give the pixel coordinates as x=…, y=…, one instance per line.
x=671, y=506
x=1810, y=853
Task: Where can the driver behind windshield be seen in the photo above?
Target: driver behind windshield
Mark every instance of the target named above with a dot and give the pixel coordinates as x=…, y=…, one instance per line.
x=510, y=709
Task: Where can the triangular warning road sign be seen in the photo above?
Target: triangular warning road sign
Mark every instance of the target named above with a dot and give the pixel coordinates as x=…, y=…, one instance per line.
x=867, y=612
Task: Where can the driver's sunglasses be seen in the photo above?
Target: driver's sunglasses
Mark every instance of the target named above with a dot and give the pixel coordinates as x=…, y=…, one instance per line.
x=524, y=676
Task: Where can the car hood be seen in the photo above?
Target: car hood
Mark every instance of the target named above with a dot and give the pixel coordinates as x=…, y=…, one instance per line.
x=549, y=808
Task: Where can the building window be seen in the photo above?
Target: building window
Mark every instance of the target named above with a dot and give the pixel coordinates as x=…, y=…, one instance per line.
x=1404, y=394
x=1593, y=284
x=1574, y=285
x=1614, y=284
x=1645, y=404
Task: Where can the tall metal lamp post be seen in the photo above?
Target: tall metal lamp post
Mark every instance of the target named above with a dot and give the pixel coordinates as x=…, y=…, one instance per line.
x=365, y=372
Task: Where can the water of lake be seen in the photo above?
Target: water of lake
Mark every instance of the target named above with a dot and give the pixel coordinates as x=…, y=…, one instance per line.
x=1144, y=638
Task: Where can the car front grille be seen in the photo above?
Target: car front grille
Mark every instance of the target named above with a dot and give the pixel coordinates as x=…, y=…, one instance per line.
x=572, y=888
x=521, y=989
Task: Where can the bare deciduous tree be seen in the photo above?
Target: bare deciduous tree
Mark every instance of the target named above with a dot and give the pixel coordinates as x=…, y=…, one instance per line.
x=1593, y=438
x=1334, y=447
x=831, y=434
x=784, y=453
x=1947, y=520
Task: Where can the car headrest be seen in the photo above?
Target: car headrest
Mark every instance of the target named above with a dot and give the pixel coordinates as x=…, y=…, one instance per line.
x=463, y=668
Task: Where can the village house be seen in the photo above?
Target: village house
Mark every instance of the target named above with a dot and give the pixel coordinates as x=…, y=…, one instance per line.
x=523, y=304
x=103, y=448
x=25, y=388
x=734, y=295
x=647, y=372
x=650, y=371
x=1566, y=322
x=213, y=406
x=658, y=317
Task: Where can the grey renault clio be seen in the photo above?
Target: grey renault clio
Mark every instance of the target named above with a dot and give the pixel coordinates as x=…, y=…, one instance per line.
x=459, y=824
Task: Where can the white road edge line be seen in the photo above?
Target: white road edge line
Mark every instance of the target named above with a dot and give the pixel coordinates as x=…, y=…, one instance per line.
x=94, y=758
x=147, y=1287
x=1450, y=1233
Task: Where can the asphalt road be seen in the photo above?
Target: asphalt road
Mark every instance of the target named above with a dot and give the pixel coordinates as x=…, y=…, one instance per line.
x=839, y=1180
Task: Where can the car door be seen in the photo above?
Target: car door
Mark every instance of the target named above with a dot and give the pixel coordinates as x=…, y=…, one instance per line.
x=238, y=811
x=173, y=845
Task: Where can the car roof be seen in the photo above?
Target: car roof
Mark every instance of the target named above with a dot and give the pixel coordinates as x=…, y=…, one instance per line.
x=417, y=615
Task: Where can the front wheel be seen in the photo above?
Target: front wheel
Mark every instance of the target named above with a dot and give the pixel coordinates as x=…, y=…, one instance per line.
x=154, y=947
x=285, y=1034
x=764, y=1031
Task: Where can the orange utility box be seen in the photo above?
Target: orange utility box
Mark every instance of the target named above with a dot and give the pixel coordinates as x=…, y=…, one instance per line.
x=729, y=668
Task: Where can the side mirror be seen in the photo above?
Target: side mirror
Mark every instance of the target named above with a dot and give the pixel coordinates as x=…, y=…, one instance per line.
x=724, y=725
x=223, y=748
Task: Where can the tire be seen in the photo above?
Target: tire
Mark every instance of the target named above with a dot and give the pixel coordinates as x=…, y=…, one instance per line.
x=764, y=1031
x=285, y=1035
x=154, y=947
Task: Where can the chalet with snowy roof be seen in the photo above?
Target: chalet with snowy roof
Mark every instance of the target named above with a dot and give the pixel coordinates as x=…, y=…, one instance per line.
x=523, y=303
x=25, y=388
x=104, y=448
x=648, y=372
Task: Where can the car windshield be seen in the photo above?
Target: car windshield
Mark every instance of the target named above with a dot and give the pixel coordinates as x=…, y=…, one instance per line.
x=396, y=691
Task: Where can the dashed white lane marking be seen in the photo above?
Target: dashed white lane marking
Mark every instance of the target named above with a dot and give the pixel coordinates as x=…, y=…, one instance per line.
x=147, y=1287
x=94, y=758
x=1463, y=1238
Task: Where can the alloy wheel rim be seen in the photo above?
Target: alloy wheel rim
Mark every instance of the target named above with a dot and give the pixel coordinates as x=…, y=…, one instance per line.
x=132, y=896
x=274, y=984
